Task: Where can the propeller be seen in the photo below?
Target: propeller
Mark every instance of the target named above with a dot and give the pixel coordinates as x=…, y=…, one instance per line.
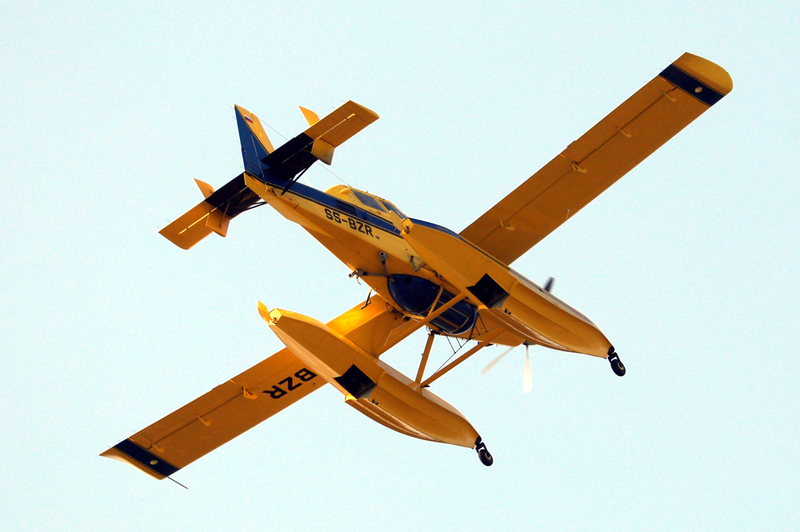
x=494, y=362
x=548, y=286
x=527, y=376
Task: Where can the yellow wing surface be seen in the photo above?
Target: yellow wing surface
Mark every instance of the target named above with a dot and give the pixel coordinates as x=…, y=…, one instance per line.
x=246, y=400
x=591, y=164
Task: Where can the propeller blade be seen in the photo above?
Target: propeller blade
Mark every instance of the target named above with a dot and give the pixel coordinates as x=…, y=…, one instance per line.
x=548, y=286
x=494, y=362
x=527, y=378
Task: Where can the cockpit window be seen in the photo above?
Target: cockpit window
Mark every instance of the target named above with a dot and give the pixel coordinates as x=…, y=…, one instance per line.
x=368, y=200
x=389, y=206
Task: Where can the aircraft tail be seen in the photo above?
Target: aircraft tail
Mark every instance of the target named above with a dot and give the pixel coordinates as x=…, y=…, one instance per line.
x=256, y=145
x=276, y=167
x=317, y=143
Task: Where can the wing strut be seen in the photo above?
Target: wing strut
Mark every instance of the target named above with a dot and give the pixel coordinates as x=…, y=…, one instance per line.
x=425, y=354
x=483, y=343
x=427, y=319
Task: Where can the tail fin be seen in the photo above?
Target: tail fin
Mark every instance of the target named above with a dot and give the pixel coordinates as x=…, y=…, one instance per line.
x=255, y=143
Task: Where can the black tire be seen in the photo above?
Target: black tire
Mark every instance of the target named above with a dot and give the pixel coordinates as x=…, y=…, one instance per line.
x=485, y=457
x=618, y=367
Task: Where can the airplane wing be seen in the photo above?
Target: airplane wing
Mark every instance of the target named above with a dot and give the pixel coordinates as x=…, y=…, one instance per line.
x=679, y=94
x=218, y=416
x=246, y=400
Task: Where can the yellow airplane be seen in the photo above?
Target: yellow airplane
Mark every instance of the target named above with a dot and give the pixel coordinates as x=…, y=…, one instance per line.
x=422, y=275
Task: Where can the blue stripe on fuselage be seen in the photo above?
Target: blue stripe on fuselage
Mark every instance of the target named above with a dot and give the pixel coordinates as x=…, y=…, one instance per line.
x=328, y=201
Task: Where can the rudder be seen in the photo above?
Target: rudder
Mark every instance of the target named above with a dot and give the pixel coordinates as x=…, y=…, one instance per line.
x=254, y=140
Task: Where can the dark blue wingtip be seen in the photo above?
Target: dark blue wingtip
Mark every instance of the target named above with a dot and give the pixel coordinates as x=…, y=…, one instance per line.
x=145, y=460
x=691, y=85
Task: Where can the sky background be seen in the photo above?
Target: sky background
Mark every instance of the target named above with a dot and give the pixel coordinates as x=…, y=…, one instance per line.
x=689, y=264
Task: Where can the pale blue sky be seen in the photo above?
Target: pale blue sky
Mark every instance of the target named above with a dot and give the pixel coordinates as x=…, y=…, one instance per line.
x=689, y=264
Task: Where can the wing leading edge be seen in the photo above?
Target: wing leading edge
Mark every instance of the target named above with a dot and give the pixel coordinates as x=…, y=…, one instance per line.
x=659, y=110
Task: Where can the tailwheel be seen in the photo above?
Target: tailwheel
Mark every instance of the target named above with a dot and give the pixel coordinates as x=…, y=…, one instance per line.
x=616, y=364
x=483, y=453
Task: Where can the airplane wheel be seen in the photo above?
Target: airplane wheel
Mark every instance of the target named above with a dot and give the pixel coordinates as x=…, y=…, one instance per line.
x=485, y=457
x=616, y=364
x=617, y=367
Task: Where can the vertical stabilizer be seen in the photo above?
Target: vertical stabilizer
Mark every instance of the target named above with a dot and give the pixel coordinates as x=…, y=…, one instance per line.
x=255, y=143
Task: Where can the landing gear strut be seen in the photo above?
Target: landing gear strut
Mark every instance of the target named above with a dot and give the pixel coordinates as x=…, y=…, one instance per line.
x=483, y=453
x=616, y=364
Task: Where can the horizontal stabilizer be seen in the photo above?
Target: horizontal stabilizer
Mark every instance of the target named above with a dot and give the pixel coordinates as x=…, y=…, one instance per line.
x=317, y=142
x=342, y=124
x=211, y=215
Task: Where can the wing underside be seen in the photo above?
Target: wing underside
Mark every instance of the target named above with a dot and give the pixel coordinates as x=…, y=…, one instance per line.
x=217, y=416
x=246, y=400
x=591, y=164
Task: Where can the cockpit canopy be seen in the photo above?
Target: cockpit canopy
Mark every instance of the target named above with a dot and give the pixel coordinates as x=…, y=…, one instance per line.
x=369, y=202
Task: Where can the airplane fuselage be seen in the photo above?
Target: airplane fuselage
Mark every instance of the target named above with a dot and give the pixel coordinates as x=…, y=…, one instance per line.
x=408, y=262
